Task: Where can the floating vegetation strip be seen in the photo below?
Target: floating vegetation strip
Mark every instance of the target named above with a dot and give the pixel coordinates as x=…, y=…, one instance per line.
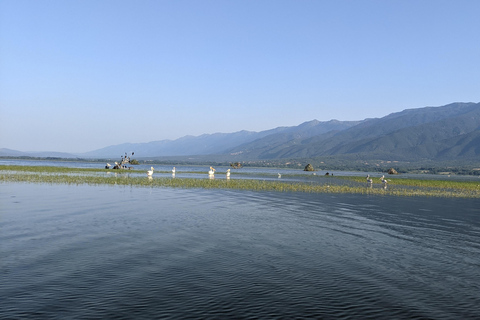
x=50, y=169
x=430, y=183
x=398, y=187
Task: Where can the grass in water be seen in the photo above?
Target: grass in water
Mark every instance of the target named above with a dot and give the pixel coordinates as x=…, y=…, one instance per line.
x=354, y=185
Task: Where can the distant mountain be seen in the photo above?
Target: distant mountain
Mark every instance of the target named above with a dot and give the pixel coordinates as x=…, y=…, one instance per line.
x=218, y=143
x=447, y=132
x=450, y=132
x=4, y=152
x=188, y=145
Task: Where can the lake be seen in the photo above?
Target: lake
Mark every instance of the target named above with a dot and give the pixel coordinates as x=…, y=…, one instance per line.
x=83, y=252
x=196, y=171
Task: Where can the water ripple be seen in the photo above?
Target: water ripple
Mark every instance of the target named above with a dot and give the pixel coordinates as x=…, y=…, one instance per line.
x=119, y=252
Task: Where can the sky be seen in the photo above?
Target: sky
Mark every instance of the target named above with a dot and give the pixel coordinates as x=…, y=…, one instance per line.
x=80, y=75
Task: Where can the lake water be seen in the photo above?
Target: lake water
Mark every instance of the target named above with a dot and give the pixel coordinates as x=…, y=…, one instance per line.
x=99, y=252
x=198, y=171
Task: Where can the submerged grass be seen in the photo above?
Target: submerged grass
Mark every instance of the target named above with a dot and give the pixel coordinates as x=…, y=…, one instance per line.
x=48, y=169
x=398, y=187
x=430, y=183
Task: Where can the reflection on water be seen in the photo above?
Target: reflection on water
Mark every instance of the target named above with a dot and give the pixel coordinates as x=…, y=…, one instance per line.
x=109, y=251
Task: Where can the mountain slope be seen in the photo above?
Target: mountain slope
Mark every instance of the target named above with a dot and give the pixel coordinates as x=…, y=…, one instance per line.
x=274, y=143
x=465, y=145
x=450, y=132
x=188, y=145
x=217, y=143
x=410, y=134
x=421, y=137
x=4, y=152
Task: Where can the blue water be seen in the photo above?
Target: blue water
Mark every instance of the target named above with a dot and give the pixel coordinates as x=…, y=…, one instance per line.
x=99, y=252
x=197, y=171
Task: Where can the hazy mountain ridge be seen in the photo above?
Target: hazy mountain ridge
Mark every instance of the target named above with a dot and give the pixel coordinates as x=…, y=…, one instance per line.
x=437, y=133
x=410, y=134
x=219, y=143
x=5, y=152
x=275, y=142
x=188, y=145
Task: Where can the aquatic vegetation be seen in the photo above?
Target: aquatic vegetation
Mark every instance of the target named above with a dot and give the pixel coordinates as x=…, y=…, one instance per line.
x=424, y=183
x=339, y=184
x=51, y=169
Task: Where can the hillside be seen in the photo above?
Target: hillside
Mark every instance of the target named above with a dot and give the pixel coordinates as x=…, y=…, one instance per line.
x=4, y=152
x=440, y=133
x=218, y=143
x=447, y=133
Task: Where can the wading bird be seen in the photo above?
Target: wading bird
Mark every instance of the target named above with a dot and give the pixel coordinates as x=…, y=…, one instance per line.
x=150, y=172
x=228, y=173
x=369, y=180
x=384, y=181
x=212, y=171
x=173, y=170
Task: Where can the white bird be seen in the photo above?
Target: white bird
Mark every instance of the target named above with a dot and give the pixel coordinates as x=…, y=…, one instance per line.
x=382, y=178
x=279, y=176
x=150, y=172
x=173, y=170
x=212, y=171
x=369, y=180
x=384, y=181
x=228, y=173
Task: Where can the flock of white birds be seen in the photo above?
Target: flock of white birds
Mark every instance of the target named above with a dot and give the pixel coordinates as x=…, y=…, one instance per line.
x=384, y=181
x=211, y=172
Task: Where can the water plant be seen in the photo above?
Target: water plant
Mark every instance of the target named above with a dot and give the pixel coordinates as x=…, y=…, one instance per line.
x=356, y=185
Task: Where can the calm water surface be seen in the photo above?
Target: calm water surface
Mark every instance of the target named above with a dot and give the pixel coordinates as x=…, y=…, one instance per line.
x=83, y=252
x=199, y=171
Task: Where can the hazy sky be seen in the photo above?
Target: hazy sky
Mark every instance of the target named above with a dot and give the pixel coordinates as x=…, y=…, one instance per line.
x=80, y=75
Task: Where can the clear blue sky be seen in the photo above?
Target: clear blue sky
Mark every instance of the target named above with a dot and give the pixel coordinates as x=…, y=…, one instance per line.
x=80, y=75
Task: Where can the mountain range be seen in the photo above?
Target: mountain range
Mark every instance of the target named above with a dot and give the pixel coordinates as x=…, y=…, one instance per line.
x=449, y=132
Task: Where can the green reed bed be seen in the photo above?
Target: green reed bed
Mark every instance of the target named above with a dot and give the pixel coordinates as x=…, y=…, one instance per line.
x=423, y=183
x=397, y=187
x=48, y=169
